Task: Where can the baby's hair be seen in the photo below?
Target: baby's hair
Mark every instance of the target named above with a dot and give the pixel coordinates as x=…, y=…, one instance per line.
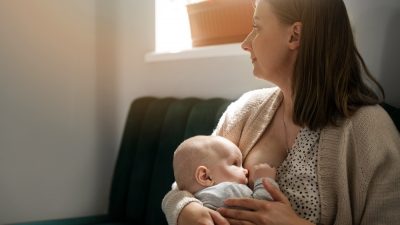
x=189, y=155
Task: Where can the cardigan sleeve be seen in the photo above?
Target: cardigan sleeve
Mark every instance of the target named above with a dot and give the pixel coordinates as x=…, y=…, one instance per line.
x=377, y=142
x=173, y=203
x=358, y=170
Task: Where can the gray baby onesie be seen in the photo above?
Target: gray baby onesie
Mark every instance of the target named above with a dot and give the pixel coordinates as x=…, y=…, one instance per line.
x=213, y=197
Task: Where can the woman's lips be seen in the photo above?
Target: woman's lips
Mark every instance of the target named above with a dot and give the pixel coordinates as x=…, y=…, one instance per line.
x=253, y=59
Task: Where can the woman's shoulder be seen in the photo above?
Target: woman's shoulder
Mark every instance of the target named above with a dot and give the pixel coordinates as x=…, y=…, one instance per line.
x=372, y=125
x=245, y=108
x=251, y=102
x=375, y=138
x=372, y=118
x=369, y=124
x=256, y=97
x=369, y=136
x=259, y=94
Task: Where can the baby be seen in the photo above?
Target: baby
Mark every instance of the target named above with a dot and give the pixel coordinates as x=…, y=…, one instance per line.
x=210, y=167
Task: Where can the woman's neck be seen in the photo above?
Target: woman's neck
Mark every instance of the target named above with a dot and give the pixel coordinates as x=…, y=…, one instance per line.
x=287, y=104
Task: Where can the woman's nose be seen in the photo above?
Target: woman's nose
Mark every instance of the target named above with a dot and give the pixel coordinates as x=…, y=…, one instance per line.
x=246, y=44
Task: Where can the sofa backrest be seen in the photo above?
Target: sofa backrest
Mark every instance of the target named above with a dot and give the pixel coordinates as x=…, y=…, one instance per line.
x=143, y=173
x=154, y=128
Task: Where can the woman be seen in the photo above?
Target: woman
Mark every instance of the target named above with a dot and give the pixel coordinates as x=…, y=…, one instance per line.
x=337, y=152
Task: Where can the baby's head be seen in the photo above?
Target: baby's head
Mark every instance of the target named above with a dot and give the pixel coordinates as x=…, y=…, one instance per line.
x=204, y=161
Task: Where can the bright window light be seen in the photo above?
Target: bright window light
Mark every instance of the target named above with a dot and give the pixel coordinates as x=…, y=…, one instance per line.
x=172, y=26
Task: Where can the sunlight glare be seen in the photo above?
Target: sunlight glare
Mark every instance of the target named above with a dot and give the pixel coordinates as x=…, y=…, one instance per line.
x=172, y=26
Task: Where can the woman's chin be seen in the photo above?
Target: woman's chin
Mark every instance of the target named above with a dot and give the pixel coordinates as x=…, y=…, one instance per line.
x=260, y=75
x=257, y=73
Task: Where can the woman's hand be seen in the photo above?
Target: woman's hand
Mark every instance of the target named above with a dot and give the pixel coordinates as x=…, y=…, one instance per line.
x=278, y=212
x=196, y=214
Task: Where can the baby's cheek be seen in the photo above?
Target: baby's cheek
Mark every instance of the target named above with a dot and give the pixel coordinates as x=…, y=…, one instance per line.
x=244, y=180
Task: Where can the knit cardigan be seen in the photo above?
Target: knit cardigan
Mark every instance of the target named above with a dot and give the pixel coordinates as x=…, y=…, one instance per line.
x=358, y=168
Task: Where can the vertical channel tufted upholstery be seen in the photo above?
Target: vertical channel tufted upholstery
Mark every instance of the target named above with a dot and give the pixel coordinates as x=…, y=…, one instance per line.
x=143, y=172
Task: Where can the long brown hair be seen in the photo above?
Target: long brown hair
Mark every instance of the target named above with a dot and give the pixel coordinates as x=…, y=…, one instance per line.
x=328, y=82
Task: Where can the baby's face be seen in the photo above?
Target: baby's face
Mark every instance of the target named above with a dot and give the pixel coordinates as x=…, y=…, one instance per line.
x=228, y=165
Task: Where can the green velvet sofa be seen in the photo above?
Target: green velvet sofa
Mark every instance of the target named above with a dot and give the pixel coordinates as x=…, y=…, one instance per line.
x=143, y=172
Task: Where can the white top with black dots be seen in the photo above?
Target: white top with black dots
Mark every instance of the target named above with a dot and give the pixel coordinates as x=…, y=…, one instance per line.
x=297, y=175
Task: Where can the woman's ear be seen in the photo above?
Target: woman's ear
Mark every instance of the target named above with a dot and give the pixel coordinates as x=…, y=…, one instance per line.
x=295, y=35
x=202, y=176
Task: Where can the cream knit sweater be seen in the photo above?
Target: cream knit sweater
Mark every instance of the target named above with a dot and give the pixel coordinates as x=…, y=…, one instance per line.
x=358, y=161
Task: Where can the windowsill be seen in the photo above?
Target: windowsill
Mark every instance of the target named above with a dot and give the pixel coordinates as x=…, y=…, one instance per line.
x=197, y=52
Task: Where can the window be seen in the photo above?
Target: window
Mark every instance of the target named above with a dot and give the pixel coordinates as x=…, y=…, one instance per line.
x=172, y=26
x=173, y=37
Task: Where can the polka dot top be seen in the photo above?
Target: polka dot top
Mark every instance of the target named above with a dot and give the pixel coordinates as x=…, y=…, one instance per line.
x=297, y=175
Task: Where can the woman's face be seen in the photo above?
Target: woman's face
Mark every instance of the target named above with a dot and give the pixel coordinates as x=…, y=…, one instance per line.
x=268, y=45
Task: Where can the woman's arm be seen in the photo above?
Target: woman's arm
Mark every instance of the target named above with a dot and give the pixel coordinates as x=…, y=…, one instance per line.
x=359, y=164
x=174, y=201
x=195, y=213
x=181, y=207
x=377, y=142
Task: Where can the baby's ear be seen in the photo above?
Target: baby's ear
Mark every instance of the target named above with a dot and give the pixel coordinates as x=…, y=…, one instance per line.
x=202, y=176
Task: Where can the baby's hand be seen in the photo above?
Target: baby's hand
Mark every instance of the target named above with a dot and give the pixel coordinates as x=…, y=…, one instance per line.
x=264, y=170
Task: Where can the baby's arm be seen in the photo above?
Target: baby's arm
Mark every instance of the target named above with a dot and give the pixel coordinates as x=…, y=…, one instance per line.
x=263, y=171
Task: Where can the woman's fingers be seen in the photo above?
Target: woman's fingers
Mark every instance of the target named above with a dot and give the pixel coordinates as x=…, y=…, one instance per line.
x=232, y=213
x=218, y=218
x=275, y=193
